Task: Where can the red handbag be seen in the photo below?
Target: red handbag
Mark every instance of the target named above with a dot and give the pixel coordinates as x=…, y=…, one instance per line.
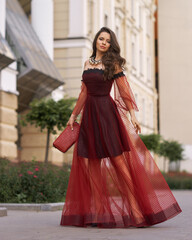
x=67, y=138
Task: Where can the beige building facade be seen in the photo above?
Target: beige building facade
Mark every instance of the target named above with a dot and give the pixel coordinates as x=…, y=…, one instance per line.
x=8, y=93
x=76, y=23
x=66, y=31
x=26, y=72
x=133, y=23
x=175, y=73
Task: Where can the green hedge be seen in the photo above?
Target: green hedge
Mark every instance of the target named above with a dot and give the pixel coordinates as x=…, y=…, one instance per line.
x=32, y=182
x=179, y=180
x=35, y=182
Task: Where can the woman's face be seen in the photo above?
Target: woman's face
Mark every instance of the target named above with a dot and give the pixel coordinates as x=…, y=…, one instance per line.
x=103, y=42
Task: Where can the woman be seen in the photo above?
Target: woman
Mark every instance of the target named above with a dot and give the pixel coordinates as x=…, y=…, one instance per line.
x=114, y=181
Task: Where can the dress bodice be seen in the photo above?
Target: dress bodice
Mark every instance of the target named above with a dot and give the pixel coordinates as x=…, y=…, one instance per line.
x=94, y=81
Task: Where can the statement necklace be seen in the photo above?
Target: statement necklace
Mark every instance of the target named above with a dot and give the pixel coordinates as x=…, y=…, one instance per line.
x=93, y=61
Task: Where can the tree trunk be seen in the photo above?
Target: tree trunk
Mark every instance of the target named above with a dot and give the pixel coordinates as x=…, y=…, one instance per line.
x=169, y=166
x=164, y=164
x=47, y=146
x=178, y=165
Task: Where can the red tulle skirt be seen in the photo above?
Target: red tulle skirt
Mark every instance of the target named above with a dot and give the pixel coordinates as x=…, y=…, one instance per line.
x=114, y=180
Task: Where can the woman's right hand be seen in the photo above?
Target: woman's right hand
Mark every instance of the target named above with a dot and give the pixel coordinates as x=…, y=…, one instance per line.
x=71, y=121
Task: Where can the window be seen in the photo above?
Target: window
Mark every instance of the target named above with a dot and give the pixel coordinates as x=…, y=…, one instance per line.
x=128, y=53
x=133, y=53
x=90, y=17
x=140, y=16
x=151, y=114
x=106, y=20
x=133, y=8
x=143, y=111
x=148, y=68
x=136, y=100
x=141, y=61
x=117, y=32
x=148, y=25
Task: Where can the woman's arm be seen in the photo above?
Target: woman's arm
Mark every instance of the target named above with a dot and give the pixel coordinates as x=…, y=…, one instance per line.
x=79, y=104
x=124, y=96
x=81, y=100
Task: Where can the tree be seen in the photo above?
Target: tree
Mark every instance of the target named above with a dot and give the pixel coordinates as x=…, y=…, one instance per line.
x=171, y=150
x=162, y=151
x=49, y=114
x=151, y=141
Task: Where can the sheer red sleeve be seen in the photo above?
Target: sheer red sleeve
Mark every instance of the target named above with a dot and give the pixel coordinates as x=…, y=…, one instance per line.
x=123, y=94
x=81, y=100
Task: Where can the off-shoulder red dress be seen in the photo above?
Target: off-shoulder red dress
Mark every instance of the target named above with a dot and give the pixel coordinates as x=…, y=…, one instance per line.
x=114, y=180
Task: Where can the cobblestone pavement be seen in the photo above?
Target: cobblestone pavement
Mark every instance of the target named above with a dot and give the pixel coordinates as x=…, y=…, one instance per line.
x=30, y=225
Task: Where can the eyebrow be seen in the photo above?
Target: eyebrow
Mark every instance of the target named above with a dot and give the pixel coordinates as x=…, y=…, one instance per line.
x=107, y=38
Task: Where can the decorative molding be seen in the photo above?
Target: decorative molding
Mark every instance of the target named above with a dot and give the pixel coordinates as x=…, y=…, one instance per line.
x=142, y=85
x=128, y=22
x=10, y=69
x=73, y=43
x=10, y=92
x=119, y=12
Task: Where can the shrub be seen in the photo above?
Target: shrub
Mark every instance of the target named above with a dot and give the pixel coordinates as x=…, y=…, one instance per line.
x=179, y=180
x=48, y=114
x=36, y=182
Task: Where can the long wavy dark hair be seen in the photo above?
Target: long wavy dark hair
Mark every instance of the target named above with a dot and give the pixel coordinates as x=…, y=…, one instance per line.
x=112, y=57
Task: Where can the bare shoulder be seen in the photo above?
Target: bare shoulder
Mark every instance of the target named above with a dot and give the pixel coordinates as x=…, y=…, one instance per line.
x=86, y=63
x=118, y=68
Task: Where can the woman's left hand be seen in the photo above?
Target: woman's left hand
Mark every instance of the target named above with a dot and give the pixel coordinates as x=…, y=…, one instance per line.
x=136, y=124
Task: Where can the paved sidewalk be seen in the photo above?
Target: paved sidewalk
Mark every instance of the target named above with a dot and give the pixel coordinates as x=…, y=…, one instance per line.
x=30, y=225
